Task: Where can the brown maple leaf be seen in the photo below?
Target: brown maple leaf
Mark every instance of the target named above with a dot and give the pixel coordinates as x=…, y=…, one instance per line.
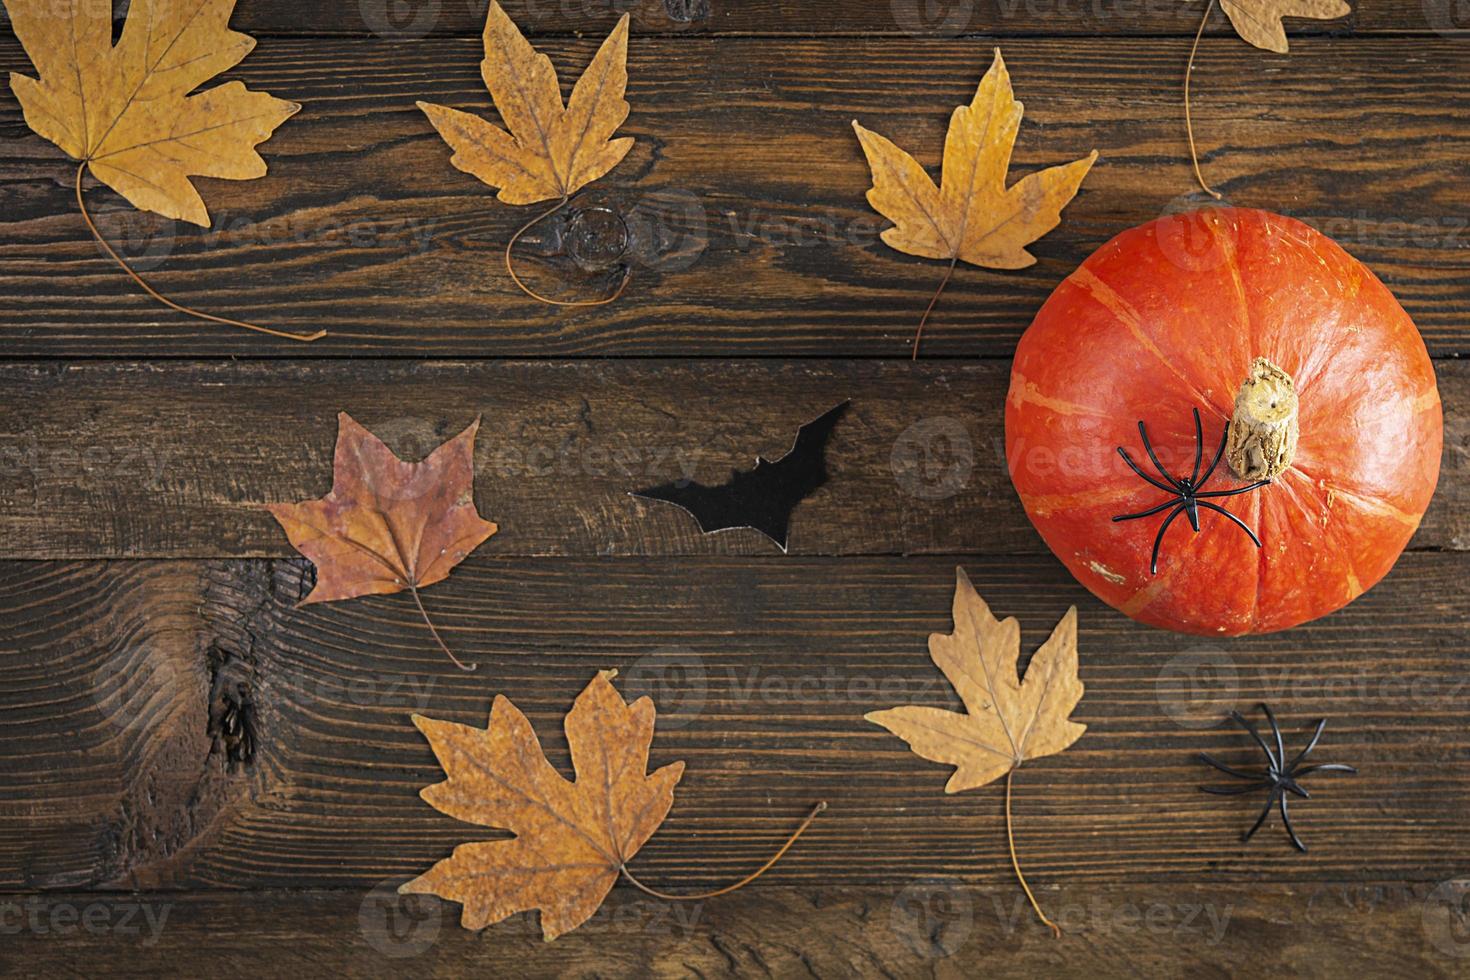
x=388, y=525
x=1006, y=722
x=552, y=149
x=125, y=111
x=972, y=216
x=1258, y=22
x=572, y=838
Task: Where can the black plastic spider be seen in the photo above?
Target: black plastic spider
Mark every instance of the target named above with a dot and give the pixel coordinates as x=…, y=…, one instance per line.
x=1279, y=778
x=1187, y=497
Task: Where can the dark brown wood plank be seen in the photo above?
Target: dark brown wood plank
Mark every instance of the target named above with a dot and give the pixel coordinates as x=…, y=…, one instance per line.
x=411, y=20
x=743, y=199
x=923, y=929
x=127, y=460
x=115, y=676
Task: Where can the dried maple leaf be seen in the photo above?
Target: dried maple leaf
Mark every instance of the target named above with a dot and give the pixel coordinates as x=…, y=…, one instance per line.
x=552, y=150
x=125, y=111
x=572, y=838
x=388, y=525
x=1258, y=22
x=972, y=217
x=1006, y=721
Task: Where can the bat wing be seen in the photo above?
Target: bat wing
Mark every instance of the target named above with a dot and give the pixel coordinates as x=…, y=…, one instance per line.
x=762, y=498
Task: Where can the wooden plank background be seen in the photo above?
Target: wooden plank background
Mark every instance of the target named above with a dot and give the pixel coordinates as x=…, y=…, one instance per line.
x=144, y=592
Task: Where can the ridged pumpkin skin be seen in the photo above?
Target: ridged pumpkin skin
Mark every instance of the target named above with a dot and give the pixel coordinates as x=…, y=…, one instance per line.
x=1168, y=317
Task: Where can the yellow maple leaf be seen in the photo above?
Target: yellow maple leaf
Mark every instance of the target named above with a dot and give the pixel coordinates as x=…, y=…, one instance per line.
x=125, y=110
x=1006, y=721
x=1258, y=22
x=972, y=217
x=552, y=149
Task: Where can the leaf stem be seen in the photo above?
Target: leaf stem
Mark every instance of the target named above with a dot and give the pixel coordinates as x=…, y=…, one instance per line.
x=412, y=587
x=1188, y=122
x=1011, y=840
x=918, y=336
x=739, y=884
x=510, y=268
x=198, y=314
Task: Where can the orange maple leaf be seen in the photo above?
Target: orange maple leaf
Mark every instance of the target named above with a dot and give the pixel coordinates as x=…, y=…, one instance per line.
x=388, y=525
x=572, y=838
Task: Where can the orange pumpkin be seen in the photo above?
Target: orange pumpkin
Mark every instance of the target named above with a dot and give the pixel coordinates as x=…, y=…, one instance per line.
x=1305, y=372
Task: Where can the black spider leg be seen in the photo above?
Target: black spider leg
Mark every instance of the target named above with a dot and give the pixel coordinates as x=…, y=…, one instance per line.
x=1199, y=441
x=1271, y=799
x=1255, y=734
x=1327, y=767
x=1135, y=468
x=1186, y=497
x=1153, y=561
x=1280, y=778
x=1293, y=774
x=1296, y=773
x=1199, y=451
x=1229, y=770
x=1237, y=790
x=1275, y=731
x=1301, y=757
x=1291, y=831
x=1179, y=500
x=1273, y=773
x=1198, y=486
x=1221, y=510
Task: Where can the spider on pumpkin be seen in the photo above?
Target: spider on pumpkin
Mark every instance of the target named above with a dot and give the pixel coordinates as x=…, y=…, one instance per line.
x=1279, y=777
x=1187, y=498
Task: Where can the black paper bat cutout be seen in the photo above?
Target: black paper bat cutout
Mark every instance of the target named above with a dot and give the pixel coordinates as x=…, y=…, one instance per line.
x=762, y=498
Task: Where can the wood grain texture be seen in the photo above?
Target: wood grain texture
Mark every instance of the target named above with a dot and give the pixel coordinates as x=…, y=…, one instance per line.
x=118, y=677
x=105, y=460
x=741, y=207
x=941, y=929
x=408, y=20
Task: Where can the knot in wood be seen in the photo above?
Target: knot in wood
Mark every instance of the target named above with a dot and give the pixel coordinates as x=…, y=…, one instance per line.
x=596, y=238
x=687, y=11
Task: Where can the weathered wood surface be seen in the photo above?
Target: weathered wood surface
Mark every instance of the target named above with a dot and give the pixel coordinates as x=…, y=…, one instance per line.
x=920, y=928
x=115, y=679
x=742, y=202
x=114, y=460
x=272, y=848
x=410, y=20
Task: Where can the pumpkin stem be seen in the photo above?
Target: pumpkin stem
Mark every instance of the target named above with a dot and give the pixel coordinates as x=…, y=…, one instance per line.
x=1263, y=430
